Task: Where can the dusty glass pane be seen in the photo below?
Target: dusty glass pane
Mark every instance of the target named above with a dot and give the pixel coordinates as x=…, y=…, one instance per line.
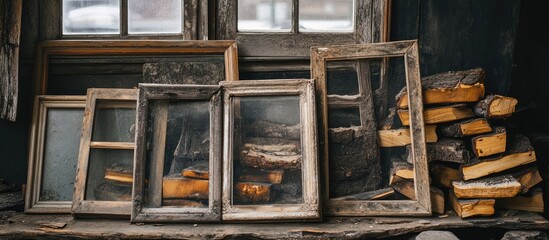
x=61, y=145
x=159, y=16
x=185, y=178
x=342, y=78
x=114, y=121
x=264, y=15
x=91, y=17
x=326, y=15
x=267, y=151
x=110, y=175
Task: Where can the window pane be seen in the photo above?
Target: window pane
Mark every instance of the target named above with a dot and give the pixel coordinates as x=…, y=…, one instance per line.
x=326, y=15
x=91, y=17
x=264, y=15
x=160, y=16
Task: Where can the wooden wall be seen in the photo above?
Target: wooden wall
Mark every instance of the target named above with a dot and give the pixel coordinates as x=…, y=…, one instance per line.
x=453, y=35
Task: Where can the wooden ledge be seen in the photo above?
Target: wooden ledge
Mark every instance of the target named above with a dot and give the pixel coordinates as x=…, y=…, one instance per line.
x=24, y=226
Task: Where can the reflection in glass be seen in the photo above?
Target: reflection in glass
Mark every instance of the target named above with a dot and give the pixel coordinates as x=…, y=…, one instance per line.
x=91, y=17
x=114, y=121
x=110, y=175
x=160, y=16
x=61, y=145
x=264, y=15
x=267, y=152
x=326, y=16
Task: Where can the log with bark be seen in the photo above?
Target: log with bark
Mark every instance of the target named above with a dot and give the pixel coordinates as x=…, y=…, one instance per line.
x=466, y=128
x=252, y=193
x=490, y=144
x=445, y=150
x=496, y=106
x=400, y=170
x=441, y=114
x=531, y=201
x=401, y=137
x=519, y=152
x=176, y=186
x=465, y=208
x=449, y=87
x=491, y=187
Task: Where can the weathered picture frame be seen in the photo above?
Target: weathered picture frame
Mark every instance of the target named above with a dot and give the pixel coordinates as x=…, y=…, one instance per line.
x=162, y=95
x=409, y=51
x=46, y=49
x=111, y=98
x=64, y=150
x=303, y=91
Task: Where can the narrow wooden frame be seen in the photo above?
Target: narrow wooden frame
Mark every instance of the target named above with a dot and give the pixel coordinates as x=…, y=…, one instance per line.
x=46, y=49
x=409, y=51
x=36, y=152
x=80, y=206
x=310, y=208
x=148, y=92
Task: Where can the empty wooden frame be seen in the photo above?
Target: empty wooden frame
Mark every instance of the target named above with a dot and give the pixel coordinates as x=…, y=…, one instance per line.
x=270, y=146
x=53, y=153
x=178, y=154
x=105, y=164
x=363, y=100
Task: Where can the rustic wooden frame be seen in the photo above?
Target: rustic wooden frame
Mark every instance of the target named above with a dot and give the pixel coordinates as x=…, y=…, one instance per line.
x=80, y=206
x=36, y=152
x=46, y=49
x=409, y=51
x=371, y=25
x=148, y=92
x=310, y=208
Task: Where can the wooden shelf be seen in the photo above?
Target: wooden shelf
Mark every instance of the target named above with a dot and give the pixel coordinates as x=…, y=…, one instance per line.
x=23, y=226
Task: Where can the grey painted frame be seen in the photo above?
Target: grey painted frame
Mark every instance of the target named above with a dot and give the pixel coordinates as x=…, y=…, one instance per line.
x=310, y=208
x=80, y=206
x=42, y=103
x=409, y=51
x=148, y=92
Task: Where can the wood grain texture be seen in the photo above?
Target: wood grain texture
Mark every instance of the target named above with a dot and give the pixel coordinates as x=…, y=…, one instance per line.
x=401, y=137
x=465, y=208
x=10, y=32
x=466, y=128
x=439, y=114
x=490, y=144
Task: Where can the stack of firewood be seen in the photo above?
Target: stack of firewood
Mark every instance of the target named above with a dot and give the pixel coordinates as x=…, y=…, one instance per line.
x=479, y=164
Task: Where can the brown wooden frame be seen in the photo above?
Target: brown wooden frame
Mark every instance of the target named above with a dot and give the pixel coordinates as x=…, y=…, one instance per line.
x=409, y=51
x=46, y=49
x=36, y=152
x=371, y=25
x=148, y=92
x=310, y=208
x=80, y=206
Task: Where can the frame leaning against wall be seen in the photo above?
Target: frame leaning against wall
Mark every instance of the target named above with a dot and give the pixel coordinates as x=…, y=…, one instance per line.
x=37, y=152
x=180, y=93
x=409, y=51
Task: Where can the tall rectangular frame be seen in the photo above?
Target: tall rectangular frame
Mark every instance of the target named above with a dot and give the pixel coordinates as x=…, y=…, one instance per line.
x=409, y=51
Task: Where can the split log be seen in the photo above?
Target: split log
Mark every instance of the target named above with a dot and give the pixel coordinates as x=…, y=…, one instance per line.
x=444, y=150
x=437, y=200
x=119, y=173
x=493, y=187
x=182, y=203
x=113, y=192
x=449, y=87
x=401, y=137
x=370, y=195
x=528, y=178
x=252, y=193
x=270, y=160
x=176, y=186
x=465, y=208
x=496, y=106
x=490, y=144
x=519, y=152
x=531, y=201
x=401, y=170
x=273, y=130
x=439, y=114
x=466, y=128
x=198, y=171
x=444, y=175
x=406, y=188
x=264, y=176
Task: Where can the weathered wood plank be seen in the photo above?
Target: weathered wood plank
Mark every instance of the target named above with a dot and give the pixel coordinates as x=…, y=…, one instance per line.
x=10, y=31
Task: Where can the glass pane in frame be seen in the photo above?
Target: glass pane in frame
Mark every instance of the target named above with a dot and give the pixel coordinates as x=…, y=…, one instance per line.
x=81, y=17
x=114, y=121
x=110, y=175
x=150, y=17
x=326, y=15
x=264, y=15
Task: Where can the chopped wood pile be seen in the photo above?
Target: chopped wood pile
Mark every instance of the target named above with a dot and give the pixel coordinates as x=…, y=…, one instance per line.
x=478, y=163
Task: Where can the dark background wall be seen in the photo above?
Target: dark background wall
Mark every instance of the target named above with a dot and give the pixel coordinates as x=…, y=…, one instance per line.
x=453, y=35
